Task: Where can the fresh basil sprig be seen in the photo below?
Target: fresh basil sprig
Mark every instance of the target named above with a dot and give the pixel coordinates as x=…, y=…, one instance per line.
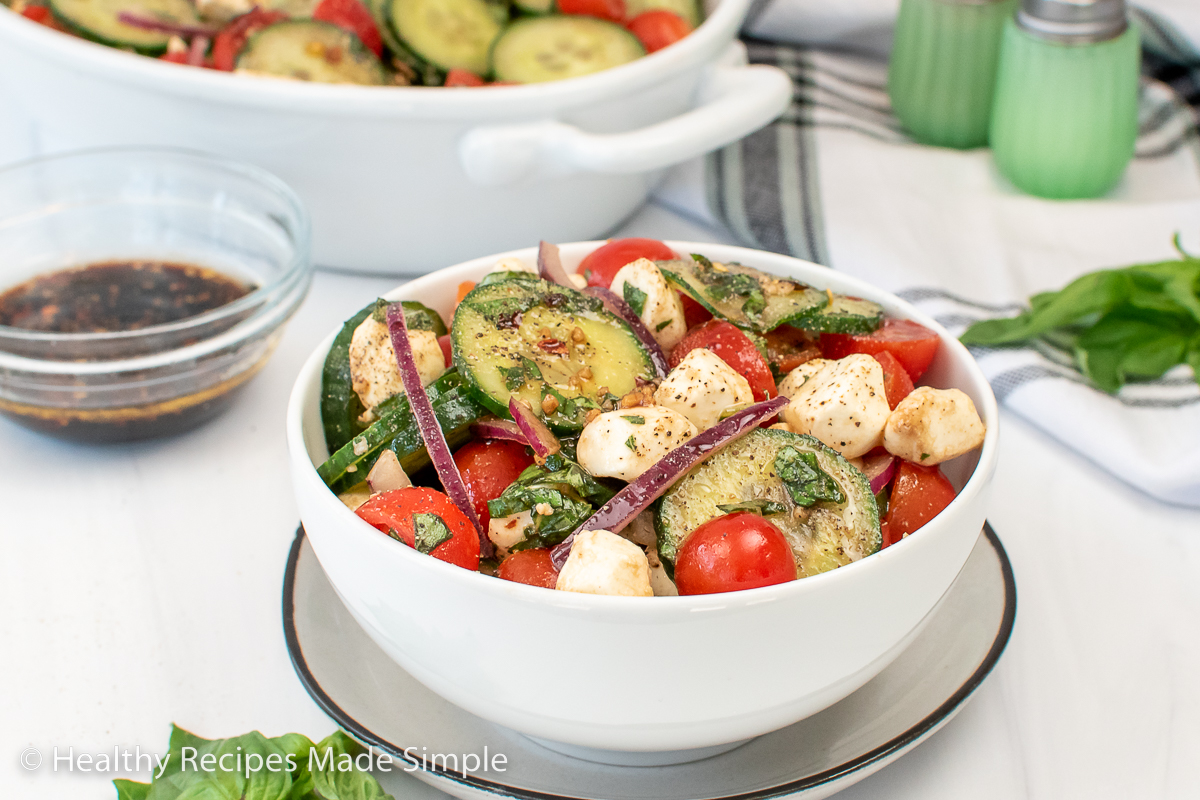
x=333, y=778
x=1120, y=324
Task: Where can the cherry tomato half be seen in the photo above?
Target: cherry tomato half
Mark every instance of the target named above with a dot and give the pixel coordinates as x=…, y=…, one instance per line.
x=918, y=495
x=532, y=567
x=488, y=466
x=735, y=349
x=788, y=348
x=602, y=264
x=447, y=350
x=461, y=77
x=353, y=16
x=658, y=28
x=911, y=343
x=896, y=383
x=392, y=512
x=612, y=10
x=737, y=551
x=232, y=38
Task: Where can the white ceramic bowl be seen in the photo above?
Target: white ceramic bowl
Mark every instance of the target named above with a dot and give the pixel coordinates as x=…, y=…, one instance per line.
x=408, y=180
x=642, y=675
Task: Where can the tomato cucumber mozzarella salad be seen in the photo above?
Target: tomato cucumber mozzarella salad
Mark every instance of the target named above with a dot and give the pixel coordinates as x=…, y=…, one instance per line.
x=381, y=42
x=655, y=424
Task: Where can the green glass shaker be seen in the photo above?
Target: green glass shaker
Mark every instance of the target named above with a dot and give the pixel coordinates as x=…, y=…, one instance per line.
x=943, y=68
x=1064, y=119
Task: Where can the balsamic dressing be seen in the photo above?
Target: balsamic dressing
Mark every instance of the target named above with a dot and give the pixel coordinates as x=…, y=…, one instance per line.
x=115, y=296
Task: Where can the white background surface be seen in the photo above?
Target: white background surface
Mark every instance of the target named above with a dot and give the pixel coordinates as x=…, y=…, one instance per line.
x=140, y=585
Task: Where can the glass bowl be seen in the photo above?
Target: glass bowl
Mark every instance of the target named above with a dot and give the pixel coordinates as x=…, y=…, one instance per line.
x=138, y=204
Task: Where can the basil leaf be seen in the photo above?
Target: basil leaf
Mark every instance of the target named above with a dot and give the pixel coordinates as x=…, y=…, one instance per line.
x=631, y=442
x=131, y=790
x=635, y=419
x=572, y=494
x=516, y=377
x=804, y=479
x=660, y=326
x=761, y=507
x=1094, y=293
x=336, y=776
x=429, y=531
x=635, y=297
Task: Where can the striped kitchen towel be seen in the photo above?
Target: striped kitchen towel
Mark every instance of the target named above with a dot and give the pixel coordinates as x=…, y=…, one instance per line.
x=836, y=181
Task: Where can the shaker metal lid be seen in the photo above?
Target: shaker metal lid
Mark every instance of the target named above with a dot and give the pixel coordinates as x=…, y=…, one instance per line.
x=1073, y=21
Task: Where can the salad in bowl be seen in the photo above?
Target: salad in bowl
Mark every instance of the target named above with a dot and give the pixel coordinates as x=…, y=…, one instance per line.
x=507, y=468
x=652, y=424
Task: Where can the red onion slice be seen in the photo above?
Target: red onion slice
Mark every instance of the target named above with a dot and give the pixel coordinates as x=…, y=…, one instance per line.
x=879, y=470
x=431, y=429
x=653, y=483
x=496, y=428
x=136, y=20
x=550, y=266
x=543, y=442
x=199, y=47
x=620, y=308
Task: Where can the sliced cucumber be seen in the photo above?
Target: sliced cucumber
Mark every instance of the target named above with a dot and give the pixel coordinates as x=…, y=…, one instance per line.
x=518, y=337
x=310, y=50
x=397, y=430
x=296, y=9
x=757, y=301
x=690, y=10
x=540, y=49
x=823, y=536
x=99, y=20
x=534, y=6
x=340, y=406
x=448, y=33
x=844, y=315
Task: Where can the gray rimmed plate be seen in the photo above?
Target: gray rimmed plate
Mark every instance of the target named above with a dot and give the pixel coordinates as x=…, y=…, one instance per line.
x=381, y=705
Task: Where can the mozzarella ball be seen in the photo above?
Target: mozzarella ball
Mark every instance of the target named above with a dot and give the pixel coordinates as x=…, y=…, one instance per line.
x=843, y=404
x=702, y=386
x=792, y=382
x=374, y=374
x=663, y=312
x=933, y=425
x=505, y=532
x=624, y=444
x=604, y=563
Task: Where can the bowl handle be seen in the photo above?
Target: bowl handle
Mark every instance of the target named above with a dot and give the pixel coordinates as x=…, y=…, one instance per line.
x=735, y=99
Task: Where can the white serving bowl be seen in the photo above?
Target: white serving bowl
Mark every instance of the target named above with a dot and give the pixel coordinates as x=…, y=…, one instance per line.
x=642, y=678
x=402, y=179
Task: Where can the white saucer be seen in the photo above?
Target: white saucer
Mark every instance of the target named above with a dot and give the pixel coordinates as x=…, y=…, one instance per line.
x=380, y=704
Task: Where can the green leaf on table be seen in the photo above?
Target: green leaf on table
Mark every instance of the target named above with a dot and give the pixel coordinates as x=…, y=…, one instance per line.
x=1094, y=293
x=131, y=790
x=335, y=776
x=1132, y=343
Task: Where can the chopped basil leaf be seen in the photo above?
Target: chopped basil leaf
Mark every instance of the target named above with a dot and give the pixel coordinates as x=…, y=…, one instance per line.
x=518, y=376
x=761, y=507
x=631, y=443
x=572, y=494
x=635, y=297
x=636, y=420
x=806, y=482
x=429, y=531
x=659, y=327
